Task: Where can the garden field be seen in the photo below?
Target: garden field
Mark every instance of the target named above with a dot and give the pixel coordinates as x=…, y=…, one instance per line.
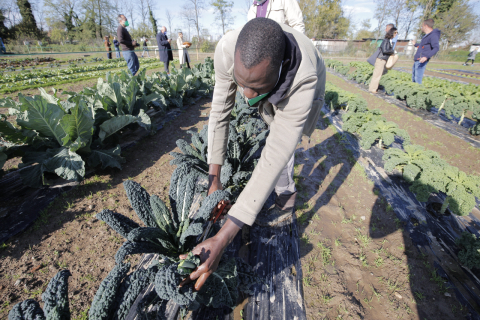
x=385, y=220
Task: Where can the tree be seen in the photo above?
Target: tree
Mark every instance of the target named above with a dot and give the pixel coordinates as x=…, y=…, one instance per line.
x=411, y=16
x=5, y=33
x=142, y=7
x=196, y=7
x=364, y=31
x=324, y=18
x=28, y=26
x=382, y=12
x=223, y=11
x=153, y=21
x=189, y=18
x=64, y=12
x=246, y=4
x=457, y=24
x=170, y=18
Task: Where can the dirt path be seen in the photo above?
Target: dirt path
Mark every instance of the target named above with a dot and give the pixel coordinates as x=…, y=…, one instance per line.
x=357, y=261
x=67, y=235
x=454, y=150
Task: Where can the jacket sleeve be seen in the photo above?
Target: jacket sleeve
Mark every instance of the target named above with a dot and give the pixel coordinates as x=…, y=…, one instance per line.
x=435, y=45
x=294, y=16
x=285, y=132
x=222, y=105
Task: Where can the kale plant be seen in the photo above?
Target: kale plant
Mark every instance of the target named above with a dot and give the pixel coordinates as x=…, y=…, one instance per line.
x=469, y=254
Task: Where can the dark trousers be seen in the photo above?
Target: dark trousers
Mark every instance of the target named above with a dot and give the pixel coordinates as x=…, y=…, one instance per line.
x=109, y=55
x=165, y=64
x=185, y=58
x=473, y=61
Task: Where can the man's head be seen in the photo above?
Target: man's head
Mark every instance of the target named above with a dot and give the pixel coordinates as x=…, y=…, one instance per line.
x=180, y=35
x=427, y=26
x=121, y=20
x=163, y=29
x=259, y=54
x=388, y=27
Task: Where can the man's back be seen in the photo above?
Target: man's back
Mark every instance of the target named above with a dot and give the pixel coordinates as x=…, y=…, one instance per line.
x=124, y=38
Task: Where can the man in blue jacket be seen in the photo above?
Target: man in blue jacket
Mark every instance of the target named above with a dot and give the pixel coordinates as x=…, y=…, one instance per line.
x=427, y=48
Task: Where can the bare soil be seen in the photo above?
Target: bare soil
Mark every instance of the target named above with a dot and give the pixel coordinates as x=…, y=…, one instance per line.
x=358, y=262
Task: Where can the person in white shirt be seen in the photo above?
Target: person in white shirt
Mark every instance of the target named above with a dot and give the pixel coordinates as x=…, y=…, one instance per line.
x=183, y=55
x=281, y=11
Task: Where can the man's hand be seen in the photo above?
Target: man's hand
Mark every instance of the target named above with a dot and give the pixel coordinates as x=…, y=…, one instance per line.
x=422, y=59
x=169, y=40
x=210, y=252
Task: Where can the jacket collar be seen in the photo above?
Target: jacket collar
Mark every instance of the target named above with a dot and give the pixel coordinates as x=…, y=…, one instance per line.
x=294, y=57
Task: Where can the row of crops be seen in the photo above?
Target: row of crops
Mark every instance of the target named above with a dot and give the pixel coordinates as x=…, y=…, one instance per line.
x=65, y=135
x=26, y=64
x=168, y=234
x=11, y=82
x=424, y=170
x=454, y=98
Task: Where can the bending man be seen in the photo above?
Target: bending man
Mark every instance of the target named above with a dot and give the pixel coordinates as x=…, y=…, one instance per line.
x=278, y=70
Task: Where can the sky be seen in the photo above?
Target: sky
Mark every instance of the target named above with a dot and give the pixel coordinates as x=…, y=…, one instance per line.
x=359, y=10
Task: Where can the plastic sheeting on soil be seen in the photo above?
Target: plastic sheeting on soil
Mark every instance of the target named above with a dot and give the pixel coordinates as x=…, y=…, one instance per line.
x=432, y=233
x=440, y=121
x=273, y=252
x=21, y=205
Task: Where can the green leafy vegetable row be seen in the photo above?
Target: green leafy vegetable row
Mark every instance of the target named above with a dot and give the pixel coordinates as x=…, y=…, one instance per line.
x=61, y=136
x=455, y=98
x=423, y=169
x=13, y=80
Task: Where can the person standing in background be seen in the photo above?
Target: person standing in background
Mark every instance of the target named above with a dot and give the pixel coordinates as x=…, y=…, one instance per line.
x=108, y=47
x=183, y=55
x=386, y=50
x=164, y=48
x=427, y=48
x=128, y=45
x=471, y=56
x=145, y=47
x=2, y=47
x=281, y=11
x=116, y=44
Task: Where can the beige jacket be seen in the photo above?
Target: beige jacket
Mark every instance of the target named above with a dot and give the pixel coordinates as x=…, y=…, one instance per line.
x=296, y=114
x=181, y=49
x=282, y=11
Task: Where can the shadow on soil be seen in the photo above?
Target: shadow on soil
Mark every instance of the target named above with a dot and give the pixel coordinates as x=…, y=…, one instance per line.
x=420, y=276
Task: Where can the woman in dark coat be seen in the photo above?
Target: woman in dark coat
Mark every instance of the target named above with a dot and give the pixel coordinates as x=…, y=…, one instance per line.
x=108, y=47
x=164, y=48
